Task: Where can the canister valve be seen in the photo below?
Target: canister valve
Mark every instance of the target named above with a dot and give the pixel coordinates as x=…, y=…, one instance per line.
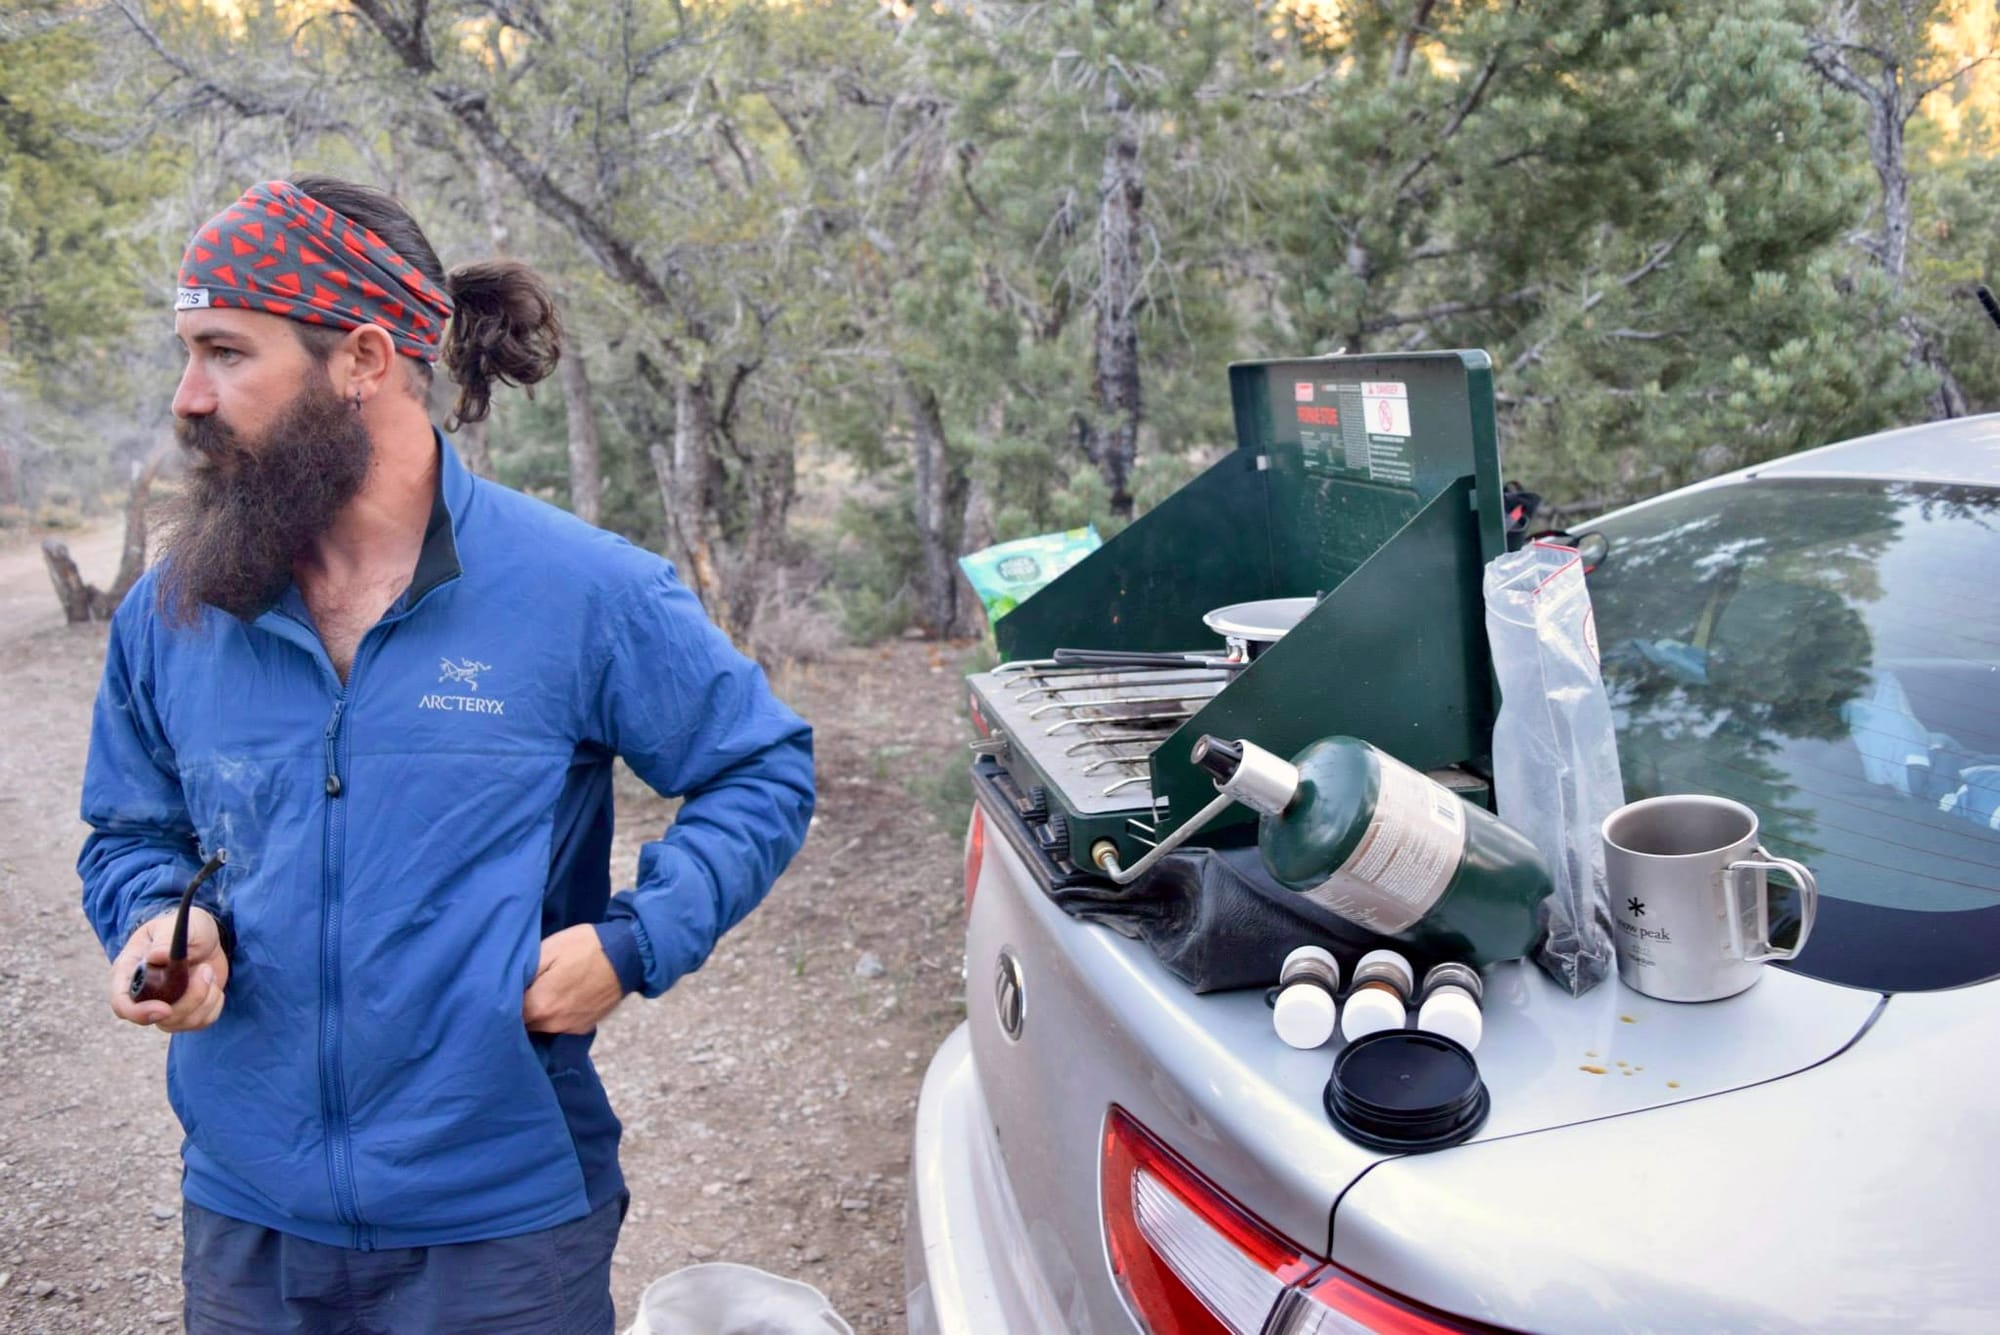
x=1255, y=777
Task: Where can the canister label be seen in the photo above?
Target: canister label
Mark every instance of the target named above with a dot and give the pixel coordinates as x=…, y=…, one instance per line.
x=1407, y=857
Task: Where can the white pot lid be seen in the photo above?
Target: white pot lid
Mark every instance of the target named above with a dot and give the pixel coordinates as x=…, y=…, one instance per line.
x=1265, y=620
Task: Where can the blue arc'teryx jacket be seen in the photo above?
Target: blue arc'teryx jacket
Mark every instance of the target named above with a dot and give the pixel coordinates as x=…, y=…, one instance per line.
x=400, y=845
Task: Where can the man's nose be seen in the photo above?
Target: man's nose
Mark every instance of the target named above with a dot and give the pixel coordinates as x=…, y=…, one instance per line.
x=195, y=397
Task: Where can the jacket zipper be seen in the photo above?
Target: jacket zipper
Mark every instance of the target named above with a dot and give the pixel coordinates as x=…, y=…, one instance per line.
x=333, y=1093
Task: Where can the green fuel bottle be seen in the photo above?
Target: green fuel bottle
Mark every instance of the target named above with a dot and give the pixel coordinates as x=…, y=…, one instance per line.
x=1365, y=836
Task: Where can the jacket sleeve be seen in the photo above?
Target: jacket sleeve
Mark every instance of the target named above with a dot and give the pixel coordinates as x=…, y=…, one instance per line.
x=142, y=847
x=696, y=720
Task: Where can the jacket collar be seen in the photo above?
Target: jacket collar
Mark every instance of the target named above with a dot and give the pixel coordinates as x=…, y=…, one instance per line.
x=438, y=561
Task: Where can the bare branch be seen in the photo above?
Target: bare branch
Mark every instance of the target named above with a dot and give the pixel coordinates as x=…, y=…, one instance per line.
x=1825, y=58
x=1399, y=64
x=1449, y=308
x=1306, y=89
x=1653, y=262
x=529, y=20
x=1467, y=105
x=407, y=40
x=1918, y=96
x=1658, y=257
x=247, y=105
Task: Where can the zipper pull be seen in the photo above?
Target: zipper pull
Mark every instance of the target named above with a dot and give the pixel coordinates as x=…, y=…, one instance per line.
x=332, y=763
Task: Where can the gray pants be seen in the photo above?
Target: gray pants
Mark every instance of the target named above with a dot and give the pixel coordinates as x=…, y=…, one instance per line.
x=244, y=1279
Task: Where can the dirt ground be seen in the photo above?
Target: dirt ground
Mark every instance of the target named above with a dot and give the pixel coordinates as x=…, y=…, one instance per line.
x=767, y=1100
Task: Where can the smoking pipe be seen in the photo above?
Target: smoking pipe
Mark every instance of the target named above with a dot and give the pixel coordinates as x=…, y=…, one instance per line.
x=154, y=982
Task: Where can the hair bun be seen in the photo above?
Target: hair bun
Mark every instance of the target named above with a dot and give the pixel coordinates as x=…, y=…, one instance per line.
x=506, y=328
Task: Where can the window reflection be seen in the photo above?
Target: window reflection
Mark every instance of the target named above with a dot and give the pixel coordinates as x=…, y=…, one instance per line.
x=1828, y=653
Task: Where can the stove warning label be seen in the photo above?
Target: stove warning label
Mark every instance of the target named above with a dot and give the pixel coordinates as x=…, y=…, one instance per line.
x=1386, y=407
x=1359, y=430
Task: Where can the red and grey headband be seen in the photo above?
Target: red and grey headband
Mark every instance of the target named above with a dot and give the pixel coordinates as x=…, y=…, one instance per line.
x=280, y=251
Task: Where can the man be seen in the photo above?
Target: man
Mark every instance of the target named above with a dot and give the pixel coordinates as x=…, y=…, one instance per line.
x=393, y=693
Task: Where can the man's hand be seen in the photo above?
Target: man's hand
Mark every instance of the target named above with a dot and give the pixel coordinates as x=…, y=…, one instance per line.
x=208, y=973
x=575, y=985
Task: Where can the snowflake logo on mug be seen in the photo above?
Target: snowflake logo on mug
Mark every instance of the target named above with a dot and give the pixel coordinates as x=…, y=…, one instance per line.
x=1635, y=907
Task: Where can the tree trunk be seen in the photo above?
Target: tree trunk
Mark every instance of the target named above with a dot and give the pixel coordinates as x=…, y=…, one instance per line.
x=690, y=477
x=770, y=484
x=586, y=485
x=1948, y=399
x=1111, y=439
x=132, y=559
x=10, y=484
x=940, y=511
x=490, y=201
x=78, y=598
x=83, y=601
x=471, y=441
x=1890, y=104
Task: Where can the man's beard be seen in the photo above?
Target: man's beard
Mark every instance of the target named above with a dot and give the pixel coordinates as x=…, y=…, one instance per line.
x=249, y=509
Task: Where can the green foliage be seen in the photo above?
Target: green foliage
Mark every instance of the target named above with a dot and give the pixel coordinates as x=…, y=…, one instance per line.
x=998, y=317
x=69, y=268
x=876, y=548
x=1956, y=245
x=78, y=275
x=1637, y=208
x=1646, y=210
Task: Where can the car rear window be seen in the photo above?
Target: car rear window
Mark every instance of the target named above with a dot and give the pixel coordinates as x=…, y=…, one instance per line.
x=1828, y=653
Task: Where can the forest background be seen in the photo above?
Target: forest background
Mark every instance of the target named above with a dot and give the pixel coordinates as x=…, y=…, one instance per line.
x=856, y=286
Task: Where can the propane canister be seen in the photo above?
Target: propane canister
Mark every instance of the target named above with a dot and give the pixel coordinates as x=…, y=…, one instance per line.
x=1367, y=837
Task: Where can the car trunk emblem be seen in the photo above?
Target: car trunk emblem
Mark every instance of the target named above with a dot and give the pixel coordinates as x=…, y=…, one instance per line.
x=1008, y=997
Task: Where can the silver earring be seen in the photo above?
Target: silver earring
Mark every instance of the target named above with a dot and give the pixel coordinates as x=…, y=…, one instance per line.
x=357, y=400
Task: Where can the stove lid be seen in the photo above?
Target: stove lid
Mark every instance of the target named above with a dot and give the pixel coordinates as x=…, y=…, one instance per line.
x=1376, y=479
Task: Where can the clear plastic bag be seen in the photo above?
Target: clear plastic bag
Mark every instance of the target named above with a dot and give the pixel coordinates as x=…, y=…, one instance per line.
x=1555, y=755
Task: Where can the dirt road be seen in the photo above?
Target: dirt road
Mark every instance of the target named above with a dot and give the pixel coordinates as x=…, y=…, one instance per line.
x=767, y=1100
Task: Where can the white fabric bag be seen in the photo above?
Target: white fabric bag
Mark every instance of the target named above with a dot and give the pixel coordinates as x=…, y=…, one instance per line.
x=722, y=1298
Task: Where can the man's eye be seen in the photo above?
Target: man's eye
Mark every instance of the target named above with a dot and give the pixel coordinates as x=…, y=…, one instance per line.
x=226, y=355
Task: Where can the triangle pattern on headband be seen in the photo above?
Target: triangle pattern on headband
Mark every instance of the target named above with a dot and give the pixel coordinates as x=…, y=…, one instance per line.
x=313, y=264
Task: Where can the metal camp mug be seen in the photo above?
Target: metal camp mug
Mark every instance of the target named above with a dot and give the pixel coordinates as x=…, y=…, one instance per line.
x=1691, y=898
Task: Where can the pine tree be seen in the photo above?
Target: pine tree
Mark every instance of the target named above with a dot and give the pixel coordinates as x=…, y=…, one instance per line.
x=1634, y=207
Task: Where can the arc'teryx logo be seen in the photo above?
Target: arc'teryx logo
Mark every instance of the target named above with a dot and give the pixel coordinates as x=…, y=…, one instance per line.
x=466, y=673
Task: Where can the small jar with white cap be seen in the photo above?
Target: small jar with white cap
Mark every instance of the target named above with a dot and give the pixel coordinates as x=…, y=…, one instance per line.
x=1449, y=1004
x=1380, y=996
x=1305, y=1009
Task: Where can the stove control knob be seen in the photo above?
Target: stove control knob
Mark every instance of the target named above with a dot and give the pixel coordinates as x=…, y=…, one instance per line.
x=1037, y=808
x=1055, y=836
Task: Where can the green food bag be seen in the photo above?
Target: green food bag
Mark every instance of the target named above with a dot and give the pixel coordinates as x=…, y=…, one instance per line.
x=1005, y=574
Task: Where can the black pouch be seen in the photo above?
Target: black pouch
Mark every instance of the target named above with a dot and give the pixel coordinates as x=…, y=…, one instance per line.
x=1215, y=918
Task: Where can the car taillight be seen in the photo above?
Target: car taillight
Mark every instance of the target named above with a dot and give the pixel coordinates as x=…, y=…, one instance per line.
x=1191, y=1261
x=975, y=853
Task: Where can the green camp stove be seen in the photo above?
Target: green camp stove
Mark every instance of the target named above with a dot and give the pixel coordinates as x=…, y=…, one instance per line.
x=1368, y=485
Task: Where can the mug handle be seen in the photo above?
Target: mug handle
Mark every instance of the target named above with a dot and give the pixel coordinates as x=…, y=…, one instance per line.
x=1763, y=948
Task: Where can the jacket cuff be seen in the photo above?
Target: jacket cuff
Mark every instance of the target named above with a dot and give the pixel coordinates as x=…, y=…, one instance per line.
x=620, y=938
x=152, y=906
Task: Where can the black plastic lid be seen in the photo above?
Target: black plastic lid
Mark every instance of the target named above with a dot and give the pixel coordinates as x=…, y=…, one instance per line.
x=1219, y=756
x=1406, y=1091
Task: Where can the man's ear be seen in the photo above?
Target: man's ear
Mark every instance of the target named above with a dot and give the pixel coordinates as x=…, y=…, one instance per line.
x=371, y=356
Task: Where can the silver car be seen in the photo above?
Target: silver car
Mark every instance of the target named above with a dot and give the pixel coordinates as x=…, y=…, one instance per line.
x=1100, y=1150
